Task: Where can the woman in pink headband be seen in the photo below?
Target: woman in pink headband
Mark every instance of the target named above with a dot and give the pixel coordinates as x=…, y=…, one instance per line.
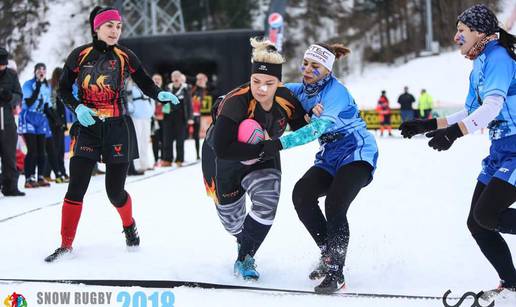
x=104, y=132
x=107, y=25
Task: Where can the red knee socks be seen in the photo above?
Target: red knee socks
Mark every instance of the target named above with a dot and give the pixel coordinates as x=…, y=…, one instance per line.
x=126, y=212
x=71, y=214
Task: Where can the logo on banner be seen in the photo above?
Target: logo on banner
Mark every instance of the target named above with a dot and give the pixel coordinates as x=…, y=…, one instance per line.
x=15, y=300
x=275, y=20
x=275, y=34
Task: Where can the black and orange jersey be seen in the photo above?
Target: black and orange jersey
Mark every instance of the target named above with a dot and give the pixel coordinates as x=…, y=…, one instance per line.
x=239, y=104
x=100, y=72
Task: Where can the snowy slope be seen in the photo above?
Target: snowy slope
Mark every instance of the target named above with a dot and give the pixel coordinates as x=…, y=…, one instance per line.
x=445, y=77
x=408, y=227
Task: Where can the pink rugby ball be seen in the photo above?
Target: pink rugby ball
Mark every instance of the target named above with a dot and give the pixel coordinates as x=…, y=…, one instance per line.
x=250, y=131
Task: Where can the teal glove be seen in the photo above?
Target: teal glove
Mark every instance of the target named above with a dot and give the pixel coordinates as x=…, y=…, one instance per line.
x=84, y=115
x=168, y=96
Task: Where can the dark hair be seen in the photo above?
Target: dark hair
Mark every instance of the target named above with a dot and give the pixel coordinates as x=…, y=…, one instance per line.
x=337, y=49
x=56, y=75
x=97, y=10
x=507, y=40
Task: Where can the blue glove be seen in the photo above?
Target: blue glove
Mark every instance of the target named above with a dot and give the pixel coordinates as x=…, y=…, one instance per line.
x=84, y=115
x=168, y=96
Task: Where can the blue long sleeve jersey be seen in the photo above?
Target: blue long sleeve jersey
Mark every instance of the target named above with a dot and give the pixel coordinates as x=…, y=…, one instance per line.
x=340, y=113
x=43, y=97
x=494, y=73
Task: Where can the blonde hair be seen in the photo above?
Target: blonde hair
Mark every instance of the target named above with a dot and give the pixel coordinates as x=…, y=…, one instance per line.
x=265, y=51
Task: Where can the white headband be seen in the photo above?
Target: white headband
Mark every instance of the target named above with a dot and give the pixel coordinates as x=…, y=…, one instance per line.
x=321, y=55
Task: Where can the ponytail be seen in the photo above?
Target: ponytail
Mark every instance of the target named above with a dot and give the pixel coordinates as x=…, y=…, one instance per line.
x=337, y=49
x=507, y=40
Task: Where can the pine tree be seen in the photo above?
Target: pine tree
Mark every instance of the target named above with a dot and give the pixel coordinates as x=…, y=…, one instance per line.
x=21, y=24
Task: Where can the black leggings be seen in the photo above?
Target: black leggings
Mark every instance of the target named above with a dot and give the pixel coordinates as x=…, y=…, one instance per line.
x=35, y=155
x=52, y=164
x=332, y=231
x=489, y=215
x=80, y=174
x=196, y=131
x=157, y=141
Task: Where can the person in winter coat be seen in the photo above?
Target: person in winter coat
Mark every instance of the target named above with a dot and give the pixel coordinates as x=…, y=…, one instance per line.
x=10, y=94
x=425, y=105
x=405, y=101
x=33, y=125
x=175, y=121
x=157, y=125
x=54, y=144
x=141, y=109
x=199, y=91
x=384, y=113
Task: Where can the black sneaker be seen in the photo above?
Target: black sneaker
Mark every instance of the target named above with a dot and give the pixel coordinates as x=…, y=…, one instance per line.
x=60, y=252
x=321, y=269
x=333, y=282
x=13, y=193
x=131, y=235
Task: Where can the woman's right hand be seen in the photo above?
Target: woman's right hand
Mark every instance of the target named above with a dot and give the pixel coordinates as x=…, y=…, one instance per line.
x=318, y=109
x=85, y=115
x=266, y=135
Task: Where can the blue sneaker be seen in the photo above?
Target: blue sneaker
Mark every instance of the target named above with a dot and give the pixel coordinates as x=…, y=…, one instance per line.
x=246, y=269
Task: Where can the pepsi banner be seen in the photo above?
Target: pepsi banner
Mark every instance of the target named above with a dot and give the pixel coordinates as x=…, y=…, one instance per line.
x=274, y=26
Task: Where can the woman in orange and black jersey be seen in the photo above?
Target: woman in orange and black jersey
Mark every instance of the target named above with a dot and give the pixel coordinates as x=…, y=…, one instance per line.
x=103, y=131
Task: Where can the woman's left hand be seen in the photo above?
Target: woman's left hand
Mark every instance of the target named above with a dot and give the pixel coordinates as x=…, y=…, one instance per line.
x=442, y=139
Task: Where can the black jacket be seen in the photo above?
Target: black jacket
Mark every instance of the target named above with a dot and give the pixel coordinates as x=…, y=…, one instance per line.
x=10, y=94
x=100, y=72
x=184, y=108
x=406, y=100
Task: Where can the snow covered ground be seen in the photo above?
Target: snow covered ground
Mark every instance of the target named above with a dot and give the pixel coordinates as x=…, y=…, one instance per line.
x=408, y=228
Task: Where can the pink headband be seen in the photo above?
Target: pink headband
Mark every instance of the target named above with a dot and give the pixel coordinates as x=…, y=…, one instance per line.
x=104, y=17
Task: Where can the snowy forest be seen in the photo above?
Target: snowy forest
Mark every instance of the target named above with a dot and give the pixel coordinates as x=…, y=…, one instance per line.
x=394, y=29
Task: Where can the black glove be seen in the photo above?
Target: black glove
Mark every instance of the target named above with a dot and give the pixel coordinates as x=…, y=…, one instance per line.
x=417, y=126
x=443, y=139
x=270, y=148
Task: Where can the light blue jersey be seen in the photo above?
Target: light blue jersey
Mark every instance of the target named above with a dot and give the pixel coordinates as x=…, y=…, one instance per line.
x=45, y=93
x=342, y=132
x=494, y=73
x=339, y=106
x=32, y=119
